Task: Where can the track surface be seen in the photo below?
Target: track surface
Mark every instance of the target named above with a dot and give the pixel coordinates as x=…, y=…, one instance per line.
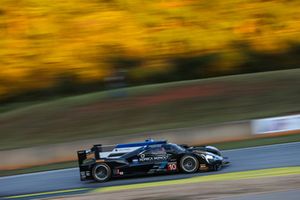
x=281, y=155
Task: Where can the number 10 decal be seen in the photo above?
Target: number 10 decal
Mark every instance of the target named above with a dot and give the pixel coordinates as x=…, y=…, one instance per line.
x=172, y=167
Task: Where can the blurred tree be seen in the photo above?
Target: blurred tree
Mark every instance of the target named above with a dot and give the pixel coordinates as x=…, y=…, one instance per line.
x=154, y=41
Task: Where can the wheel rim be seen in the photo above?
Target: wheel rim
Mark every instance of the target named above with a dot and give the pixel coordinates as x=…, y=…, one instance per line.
x=101, y=172
x=189, y=164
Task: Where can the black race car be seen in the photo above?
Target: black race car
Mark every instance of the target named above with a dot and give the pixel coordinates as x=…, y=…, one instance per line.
x=150, y=157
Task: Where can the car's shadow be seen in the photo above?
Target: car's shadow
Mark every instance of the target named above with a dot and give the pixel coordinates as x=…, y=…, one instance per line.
x=148, y=178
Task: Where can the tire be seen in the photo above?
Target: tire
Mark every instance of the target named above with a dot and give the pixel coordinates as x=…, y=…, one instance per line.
x=189, y=164
x=101, y=172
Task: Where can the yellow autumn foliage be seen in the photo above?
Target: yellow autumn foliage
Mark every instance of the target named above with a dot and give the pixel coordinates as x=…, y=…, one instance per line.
x=42, y=39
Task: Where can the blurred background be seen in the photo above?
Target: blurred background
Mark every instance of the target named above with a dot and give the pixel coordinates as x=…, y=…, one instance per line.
x=78, y=70
x=74, y=73
x=51, y=49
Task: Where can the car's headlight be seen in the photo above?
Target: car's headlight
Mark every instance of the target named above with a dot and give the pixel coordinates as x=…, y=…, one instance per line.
x=209, y=158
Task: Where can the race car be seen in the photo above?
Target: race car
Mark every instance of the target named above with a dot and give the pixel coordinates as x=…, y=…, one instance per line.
x=101, y=163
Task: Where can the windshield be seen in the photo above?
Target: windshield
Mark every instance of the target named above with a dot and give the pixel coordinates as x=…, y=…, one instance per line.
x=174, y=147
x=180, y=148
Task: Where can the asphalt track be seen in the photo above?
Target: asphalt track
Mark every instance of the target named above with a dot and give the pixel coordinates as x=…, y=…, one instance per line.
x=271, y=156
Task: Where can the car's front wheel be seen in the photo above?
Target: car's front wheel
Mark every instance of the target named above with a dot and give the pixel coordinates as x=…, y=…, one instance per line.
x=101, y=172
x=189, y=164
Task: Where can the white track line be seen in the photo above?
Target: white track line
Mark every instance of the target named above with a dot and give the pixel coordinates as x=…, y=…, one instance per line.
x=39, y=173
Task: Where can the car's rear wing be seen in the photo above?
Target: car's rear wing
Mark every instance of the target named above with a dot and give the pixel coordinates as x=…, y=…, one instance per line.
x=94, y=152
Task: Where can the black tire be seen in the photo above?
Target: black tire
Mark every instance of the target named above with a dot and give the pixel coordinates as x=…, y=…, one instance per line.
x=189, y=164
x=101, y=172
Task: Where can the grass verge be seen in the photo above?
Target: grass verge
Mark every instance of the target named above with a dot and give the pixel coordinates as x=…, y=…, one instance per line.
x=151, y=108
x=41, y=194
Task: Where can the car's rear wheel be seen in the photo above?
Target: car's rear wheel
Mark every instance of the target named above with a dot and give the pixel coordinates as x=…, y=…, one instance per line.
x=101, y=172
x=189, y=164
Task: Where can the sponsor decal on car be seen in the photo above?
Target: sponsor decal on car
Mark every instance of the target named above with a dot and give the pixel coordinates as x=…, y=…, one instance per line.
x=203, y=167
x=142, y=156
x=152, y=158
x=172, y=166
